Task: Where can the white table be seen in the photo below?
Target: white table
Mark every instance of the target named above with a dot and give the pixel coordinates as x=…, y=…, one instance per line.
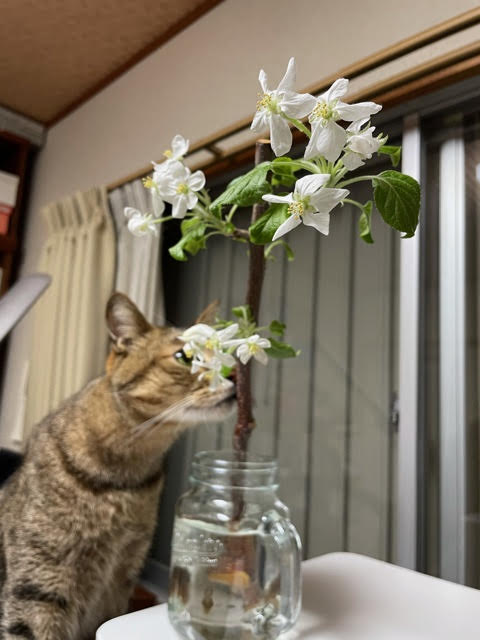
x=350, y=597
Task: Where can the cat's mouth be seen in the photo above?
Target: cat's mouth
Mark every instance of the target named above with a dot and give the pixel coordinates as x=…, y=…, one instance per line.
x=217, y=408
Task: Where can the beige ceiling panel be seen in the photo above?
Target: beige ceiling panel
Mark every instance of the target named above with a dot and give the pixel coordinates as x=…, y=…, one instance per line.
x=54, y=53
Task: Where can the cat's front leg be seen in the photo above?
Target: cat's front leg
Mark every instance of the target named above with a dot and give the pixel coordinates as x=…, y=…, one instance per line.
x=32, y=612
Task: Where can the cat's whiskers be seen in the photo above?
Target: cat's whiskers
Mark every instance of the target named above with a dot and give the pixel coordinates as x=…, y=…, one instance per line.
x=161, y=418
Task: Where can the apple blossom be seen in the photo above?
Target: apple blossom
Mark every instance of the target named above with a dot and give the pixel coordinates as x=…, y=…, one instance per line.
x=140, y=224
x=179, y=187
x=179, y=147
x=310, y=203
x=212, y=371
x=275, y=106
x=253, y=346
x=360, y=144
x=328, y=138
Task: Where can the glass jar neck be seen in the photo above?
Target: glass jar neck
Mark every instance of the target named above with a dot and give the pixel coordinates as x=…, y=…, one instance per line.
x=227, y=469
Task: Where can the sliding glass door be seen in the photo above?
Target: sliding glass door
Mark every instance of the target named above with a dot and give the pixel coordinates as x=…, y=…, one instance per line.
x=450, y=548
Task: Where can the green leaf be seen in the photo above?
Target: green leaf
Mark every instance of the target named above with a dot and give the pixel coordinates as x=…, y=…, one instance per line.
x=364, y=223
x=394, y=152
x=177, y=252
x=281, y=350
x=263, y=230
x=243, y=311
x=245, y=190
x=397, y=197
x=192, y=241
x=188, y=224
x=278, y=328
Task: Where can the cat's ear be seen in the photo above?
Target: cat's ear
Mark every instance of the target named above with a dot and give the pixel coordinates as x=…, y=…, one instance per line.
x=209, y=314
x=124, y=321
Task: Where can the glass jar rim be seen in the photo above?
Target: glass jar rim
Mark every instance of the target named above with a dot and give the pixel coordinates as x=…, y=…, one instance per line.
x=227, y=459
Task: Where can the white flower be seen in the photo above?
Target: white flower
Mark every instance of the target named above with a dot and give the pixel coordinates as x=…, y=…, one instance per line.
x=213, y=373
x=328, y=137
x=254, y=346
x=310, y=203
x=273, y=106
x=179, y=148
x=178, y=187
x=207, y=343
x=166, y=171
x=360, y=145
x=140, y=224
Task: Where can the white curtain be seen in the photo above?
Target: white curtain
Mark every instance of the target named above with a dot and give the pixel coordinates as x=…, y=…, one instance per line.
x=69, y=335
x=138, y=259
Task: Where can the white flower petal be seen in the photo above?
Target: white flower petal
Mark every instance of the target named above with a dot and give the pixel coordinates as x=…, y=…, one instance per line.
x=261, y=356
x=128, y=212
x=297, y=105
x=141, y=224
x=325, y=199
x=289, y=224
x=260, y=121
x=358, y=111
x=228, y=332
x=157, y=203
x=338, y=89
x=327, y=140
x=356, y=125
x=179, y=146
x=262, y=78
x=271, y=197
x=320, y=221
x=192, y=200
x=196, y=181
x=243, y=353
x=179, y=206
x=309, y=184
x=264, y=343
x=287, y=83
x=280, y=135
x=197, y=330
x=352, y=160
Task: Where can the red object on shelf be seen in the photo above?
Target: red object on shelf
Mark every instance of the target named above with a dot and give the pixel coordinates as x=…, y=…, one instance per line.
x=6, y=211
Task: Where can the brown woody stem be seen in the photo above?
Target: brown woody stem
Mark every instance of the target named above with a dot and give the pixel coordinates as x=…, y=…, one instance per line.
x=256, y=271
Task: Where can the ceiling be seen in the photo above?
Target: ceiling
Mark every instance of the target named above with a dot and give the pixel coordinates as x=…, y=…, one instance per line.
x=54, y=54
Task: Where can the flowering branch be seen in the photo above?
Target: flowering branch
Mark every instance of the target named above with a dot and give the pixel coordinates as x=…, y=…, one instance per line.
x=281, y=201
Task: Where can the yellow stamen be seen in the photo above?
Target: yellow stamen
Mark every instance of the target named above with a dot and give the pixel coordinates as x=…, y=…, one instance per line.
x=212, y=343
x=253, y=348
x=296, y=209
x=265, y=101
x=322, y=111
x=148, y=183
x=168, y=153
x=182, y=188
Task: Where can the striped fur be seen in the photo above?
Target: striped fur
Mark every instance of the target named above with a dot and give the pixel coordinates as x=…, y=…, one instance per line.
x=78, y=517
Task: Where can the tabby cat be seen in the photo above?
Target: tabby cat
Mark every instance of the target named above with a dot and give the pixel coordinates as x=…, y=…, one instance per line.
x=78, y=517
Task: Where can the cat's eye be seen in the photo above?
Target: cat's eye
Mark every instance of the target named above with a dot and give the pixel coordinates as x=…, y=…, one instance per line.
x=181, y=356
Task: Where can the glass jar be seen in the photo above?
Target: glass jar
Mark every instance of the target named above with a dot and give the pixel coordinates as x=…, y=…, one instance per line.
x=235, y=569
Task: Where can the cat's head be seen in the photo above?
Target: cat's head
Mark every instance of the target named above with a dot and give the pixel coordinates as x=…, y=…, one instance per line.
x=148, y=375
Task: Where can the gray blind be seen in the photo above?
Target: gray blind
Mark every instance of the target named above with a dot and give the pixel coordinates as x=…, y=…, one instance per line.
x=326, y=414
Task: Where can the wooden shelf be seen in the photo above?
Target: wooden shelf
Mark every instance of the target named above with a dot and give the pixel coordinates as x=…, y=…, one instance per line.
x=8, y=243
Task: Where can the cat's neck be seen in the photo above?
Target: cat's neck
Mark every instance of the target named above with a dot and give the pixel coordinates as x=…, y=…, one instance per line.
x=98, y=439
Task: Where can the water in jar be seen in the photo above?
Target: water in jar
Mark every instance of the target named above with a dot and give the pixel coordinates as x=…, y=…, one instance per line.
x=225, y=584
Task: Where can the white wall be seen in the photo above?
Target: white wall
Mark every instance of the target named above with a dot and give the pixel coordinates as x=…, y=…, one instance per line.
x=202, y=80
